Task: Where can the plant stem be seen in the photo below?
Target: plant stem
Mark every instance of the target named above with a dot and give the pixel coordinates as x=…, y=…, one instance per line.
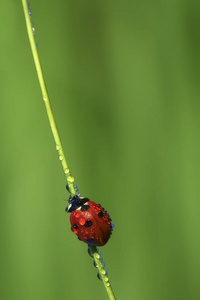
x=70, y=179
x=102, y=273
x=45, y=97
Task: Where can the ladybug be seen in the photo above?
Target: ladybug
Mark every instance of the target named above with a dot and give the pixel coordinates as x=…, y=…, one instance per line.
x=89, y=221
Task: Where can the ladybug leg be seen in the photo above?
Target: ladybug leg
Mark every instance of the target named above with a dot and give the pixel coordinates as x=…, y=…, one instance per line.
x=70, y=197
x=76, y=188
x=67, y=187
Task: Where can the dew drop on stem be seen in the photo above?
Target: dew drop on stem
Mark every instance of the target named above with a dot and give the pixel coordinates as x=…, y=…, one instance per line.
x=66, y=171
x=99, y=276
x=70, y=179
x=90, y=252
x=108, y=284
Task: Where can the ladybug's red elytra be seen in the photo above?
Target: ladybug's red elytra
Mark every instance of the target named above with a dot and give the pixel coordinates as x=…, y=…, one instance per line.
x=89, y=221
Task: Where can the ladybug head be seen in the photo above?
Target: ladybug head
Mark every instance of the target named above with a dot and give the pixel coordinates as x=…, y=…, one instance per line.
x=75, y=202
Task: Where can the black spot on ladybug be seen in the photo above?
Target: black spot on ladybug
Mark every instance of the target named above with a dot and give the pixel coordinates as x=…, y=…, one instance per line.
x=90, y=241
x=88, y=223
x=75, y=226
x=100, y=214
x=85, y=207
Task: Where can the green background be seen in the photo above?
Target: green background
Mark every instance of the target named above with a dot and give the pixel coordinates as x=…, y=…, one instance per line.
x=123, y=79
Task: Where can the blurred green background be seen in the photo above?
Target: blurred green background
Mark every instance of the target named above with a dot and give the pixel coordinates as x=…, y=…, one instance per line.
x=123, y=78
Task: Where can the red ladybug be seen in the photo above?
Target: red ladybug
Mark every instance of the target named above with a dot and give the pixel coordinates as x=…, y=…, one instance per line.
x=89, y=221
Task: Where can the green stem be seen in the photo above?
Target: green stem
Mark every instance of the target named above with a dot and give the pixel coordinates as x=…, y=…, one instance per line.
x=102, y=272
x=70, y=179
x=45, y=97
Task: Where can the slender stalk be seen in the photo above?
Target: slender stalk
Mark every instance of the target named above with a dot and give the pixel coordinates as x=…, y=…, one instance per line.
x=102, y=272
x=45, y=97
x=70, y=179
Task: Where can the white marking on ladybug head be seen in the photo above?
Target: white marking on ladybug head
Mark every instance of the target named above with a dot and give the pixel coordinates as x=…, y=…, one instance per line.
x=69, y=206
